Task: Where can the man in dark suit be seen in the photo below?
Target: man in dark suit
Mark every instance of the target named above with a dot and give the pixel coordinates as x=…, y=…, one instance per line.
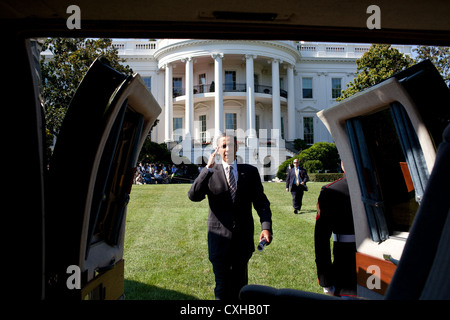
x=230, y=221
x=296, y=181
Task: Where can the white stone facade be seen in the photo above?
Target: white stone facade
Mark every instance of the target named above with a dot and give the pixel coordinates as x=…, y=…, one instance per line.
x=267, y=91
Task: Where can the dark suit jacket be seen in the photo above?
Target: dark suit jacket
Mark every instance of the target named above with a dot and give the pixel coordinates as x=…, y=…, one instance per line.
x=290, y=178
x=230, y=222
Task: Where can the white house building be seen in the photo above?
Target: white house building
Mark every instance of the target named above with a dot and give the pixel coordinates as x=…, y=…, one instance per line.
x=267, y=92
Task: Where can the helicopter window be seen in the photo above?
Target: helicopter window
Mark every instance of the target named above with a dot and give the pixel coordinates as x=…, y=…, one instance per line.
x=391, y=169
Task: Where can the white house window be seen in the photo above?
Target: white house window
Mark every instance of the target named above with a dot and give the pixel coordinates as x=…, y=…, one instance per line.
x=283, y=92
x=202, y=83
x=307, y=88
x=256, y=80
x=148, y=82
x=202, y=120
x=336, y=88
x=230, y=121
x=177, y=129
x=308, y=130
x=230, y=80
x=177, y=87
x=257, y=126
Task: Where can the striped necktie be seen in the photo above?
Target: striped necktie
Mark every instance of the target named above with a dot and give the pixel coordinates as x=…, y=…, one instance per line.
x=231, y=182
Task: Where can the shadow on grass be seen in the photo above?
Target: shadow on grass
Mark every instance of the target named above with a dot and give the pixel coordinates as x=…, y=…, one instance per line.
x=135, y=290
x=308, y=211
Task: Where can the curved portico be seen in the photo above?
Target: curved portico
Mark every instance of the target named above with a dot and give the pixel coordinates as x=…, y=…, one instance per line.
x=212, y=86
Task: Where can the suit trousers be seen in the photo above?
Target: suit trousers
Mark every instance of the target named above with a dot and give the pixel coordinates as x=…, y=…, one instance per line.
x=230, y=276
x=297, y=196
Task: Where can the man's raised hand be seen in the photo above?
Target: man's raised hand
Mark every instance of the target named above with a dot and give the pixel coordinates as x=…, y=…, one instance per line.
x=212, y=159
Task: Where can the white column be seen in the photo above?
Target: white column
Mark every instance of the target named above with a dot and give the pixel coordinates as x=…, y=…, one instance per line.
x=218, y=94
x=250, y=79
x=168, y=98
x=291, y=103
x=189, y=109
x=276, y=113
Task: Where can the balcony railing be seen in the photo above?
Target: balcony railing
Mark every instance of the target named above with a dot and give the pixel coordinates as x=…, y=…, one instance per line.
x=227, y=87
x=268, y=90
x=207, y=142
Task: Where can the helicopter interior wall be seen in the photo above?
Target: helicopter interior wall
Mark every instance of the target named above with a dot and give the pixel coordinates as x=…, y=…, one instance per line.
x=26, y=143
x=428, y=250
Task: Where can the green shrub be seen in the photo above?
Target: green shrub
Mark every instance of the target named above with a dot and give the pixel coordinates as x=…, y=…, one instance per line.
x=154, y=152
x=324, y=177
x=325, y=152
x=312, y=166
x=300, y=144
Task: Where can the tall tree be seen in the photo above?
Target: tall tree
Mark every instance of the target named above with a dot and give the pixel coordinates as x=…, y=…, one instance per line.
x=439, y=56
x=63, y=72
x=380, y=62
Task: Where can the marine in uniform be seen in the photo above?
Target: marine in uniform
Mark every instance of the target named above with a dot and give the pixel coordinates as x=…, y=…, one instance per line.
x=335, y=219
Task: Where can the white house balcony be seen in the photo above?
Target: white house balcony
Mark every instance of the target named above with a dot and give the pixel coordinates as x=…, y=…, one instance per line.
x=203, y=89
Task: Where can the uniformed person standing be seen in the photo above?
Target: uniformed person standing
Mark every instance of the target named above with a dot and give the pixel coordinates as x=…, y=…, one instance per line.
x=335, y=219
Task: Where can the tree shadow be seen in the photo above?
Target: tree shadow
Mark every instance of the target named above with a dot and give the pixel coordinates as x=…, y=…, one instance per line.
x=135, y=290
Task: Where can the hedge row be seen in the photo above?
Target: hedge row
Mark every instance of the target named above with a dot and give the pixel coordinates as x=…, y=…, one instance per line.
x=324, y=177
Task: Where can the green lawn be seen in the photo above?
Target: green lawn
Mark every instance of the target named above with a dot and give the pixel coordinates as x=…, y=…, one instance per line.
x=166, y=254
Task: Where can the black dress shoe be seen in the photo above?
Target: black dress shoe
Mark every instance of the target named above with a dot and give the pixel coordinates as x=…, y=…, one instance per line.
x=295, y=211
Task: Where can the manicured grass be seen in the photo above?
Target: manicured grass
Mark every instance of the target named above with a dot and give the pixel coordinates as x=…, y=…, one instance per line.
x=166, y=255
